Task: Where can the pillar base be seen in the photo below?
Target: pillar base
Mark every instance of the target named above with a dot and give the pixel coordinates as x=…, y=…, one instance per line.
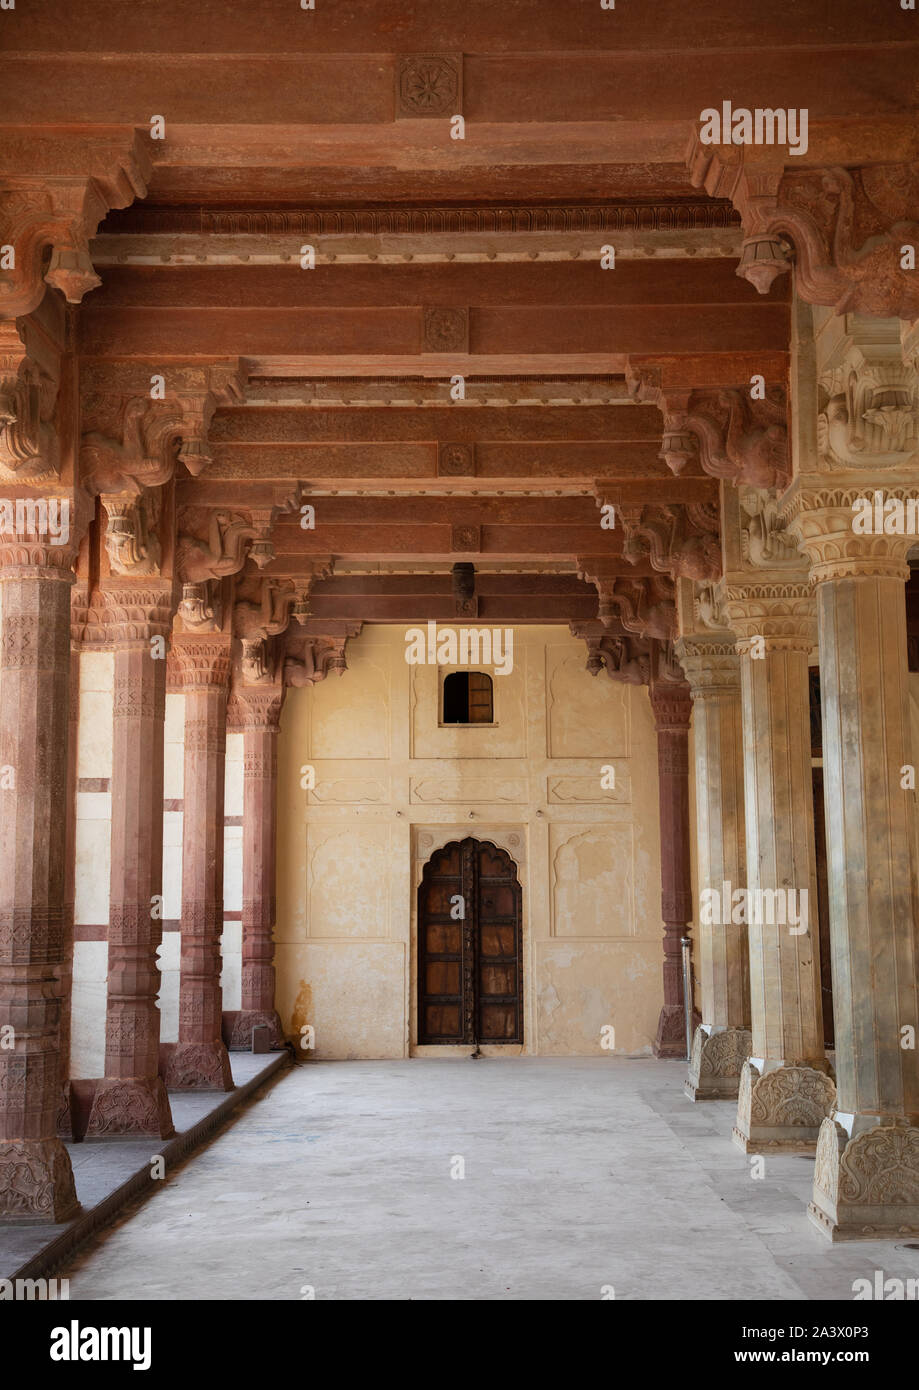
x=199, y=1067
x=671, y=1032
x=36, y=1182
x=867, y=1188
x=134, y=1107
x=781, y=1110
x=238, y=1025
x=717, y=1062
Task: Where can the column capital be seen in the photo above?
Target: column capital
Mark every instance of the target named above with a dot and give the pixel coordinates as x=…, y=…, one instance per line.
x=783, y=614
x=672, y=706
x=203, y=661
x=41, y=532
x=255, y=709
x=712, y=668
x=844, y=530
x=128, y=613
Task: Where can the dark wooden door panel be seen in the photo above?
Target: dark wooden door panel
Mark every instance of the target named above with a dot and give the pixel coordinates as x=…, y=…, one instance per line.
x=470, y=985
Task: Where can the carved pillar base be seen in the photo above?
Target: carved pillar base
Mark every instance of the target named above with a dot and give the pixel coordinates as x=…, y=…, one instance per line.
x=867, y=1187
x=781, y=1110
x=36, y=1181
x=199, y=1067
x=670, y=1040
x=238, y=1025
x=717, y=1062
x=130, y=1108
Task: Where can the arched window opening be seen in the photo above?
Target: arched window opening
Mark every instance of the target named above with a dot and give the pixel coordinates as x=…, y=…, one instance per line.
x=468, y=698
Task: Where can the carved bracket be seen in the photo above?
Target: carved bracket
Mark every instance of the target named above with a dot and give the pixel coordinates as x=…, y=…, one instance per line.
x=845, y=226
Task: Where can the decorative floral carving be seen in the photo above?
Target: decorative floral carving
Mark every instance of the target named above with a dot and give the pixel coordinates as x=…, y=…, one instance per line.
x=137, y=1106
x=36, y=1181
x=881, y=1167
x=456, y=460
x=428, y=85
x=792, y=1097
x=446, y=330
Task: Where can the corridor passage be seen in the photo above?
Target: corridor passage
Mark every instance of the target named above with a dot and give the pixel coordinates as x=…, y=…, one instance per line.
x=581, y=1176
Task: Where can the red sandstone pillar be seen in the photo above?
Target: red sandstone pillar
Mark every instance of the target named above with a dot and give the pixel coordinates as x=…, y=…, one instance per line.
x=131, y=1100
x=36, y=1180
x=199, y=1060
x=256, y=711
x=672, y=706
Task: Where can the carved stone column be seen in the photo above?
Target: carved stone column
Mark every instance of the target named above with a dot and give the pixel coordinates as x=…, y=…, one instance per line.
x=36, y=1180
x=866, y=1181
x=256, y=712
x=672, y=708
x=199, y=1060
x=131, y=1100
x=723, y=1041
x=785, y=1089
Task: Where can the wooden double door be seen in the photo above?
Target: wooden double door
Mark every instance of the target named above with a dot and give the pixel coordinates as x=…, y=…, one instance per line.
x=470, y=984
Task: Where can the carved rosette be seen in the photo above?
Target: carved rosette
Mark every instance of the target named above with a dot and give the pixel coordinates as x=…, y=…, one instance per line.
x=867, y=1188
x=717, y=1062
x=445, y=329
x=783, y=1109
x=428, y=85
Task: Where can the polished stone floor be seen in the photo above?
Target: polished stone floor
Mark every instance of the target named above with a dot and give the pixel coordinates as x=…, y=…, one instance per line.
x=580, y=1176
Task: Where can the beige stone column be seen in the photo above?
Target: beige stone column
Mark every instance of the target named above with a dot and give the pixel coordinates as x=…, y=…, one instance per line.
x=255, y=711
x=36, y=1179
x=786, y=1088
x=723, y=1041
x=130, y=1101
x=199, y=1060
x=866, y=1181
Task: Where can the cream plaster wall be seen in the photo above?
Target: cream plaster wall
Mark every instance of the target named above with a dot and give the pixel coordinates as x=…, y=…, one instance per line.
x=392, y=786
x=93, y=864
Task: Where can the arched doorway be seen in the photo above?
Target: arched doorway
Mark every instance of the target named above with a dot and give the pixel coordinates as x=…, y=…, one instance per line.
x=470, y=978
